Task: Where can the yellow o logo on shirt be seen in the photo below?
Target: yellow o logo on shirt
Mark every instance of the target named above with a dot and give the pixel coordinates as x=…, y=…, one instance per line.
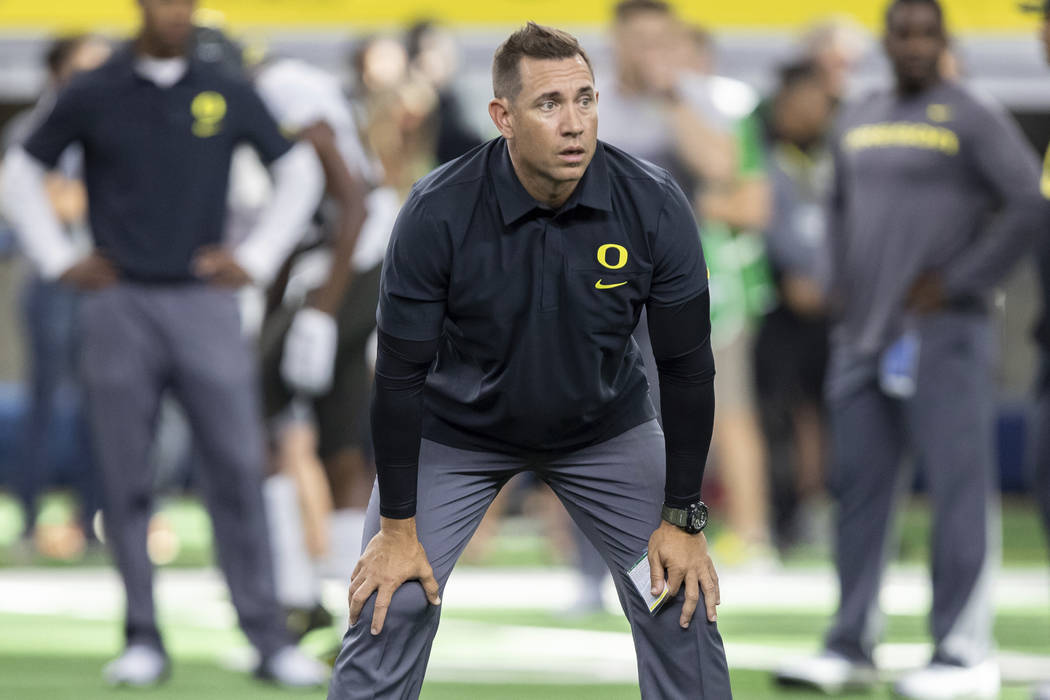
x=208, y=109
x=603, y=253
x=939, y=113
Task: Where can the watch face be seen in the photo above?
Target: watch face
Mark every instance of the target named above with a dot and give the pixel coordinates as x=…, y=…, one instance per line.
x=697, y=517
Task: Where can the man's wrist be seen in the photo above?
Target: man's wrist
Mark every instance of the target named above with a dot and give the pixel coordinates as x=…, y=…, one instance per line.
x=398, y=526
x=691, y=518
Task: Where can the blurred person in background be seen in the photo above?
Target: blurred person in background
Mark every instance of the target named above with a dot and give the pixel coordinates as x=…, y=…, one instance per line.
x=433, y=56
x=1041, y=425
x=159, y=310
x=935, y=197
x=316, y=376
x=791, y=346
x=49, y=312
x=836, y=44
x=732, y=212
x=394, y=106
x=666, y=106
x=646, y=106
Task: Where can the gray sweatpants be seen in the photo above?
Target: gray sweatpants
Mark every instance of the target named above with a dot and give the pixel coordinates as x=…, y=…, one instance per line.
x=613, y=491
x=1039, y=429
x=948, y=424
x=138, y=342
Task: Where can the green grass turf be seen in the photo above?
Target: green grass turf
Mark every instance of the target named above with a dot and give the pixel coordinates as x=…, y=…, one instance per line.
x=46, y=657
x=24, y=677
x=1023, y=540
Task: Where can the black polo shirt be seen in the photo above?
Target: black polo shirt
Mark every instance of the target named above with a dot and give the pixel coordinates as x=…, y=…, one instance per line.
x=535, y=307
x=156, y=160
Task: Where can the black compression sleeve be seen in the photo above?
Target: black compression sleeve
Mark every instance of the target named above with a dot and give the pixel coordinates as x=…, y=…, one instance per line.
x=397, y=420
x=681, y=339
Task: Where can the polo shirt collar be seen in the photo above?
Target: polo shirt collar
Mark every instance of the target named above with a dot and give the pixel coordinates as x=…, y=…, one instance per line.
x=592, y=191
x=126, y=57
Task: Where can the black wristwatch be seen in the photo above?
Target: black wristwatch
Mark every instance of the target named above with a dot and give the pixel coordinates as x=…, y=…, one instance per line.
x=692, y=519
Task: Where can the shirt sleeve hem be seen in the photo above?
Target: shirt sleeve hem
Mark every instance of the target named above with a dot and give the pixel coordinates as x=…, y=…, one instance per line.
x=399, y=513
x=679, y=299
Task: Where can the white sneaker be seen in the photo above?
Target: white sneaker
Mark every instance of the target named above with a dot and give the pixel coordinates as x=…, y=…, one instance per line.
x=1041, y=692
x=292, y=668
x=828, y=672
x=140, y=665
x=944, y=682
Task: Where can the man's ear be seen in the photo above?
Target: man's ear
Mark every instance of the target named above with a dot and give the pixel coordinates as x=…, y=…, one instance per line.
x=499, y=111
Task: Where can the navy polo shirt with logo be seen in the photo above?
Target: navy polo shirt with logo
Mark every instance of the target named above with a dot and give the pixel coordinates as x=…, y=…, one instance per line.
x=535, y=307
x=156, y=159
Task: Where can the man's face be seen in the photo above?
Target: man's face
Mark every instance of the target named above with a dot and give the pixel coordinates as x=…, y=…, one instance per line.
x=804, y=111
x=648, y=48
x=915, y=40
x=554, y=118
x=168, y=23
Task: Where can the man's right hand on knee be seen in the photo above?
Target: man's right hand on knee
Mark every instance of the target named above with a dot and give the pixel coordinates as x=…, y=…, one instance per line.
x=392, y=557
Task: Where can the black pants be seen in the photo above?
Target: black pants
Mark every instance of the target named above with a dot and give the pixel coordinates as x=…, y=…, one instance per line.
x=791, y=357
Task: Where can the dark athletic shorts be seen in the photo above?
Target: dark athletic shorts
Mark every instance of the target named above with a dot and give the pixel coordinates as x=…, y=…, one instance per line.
x=342, y=412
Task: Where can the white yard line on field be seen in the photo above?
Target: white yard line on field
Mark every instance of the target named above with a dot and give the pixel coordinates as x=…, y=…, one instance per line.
x=467, y=650
x=96, y=593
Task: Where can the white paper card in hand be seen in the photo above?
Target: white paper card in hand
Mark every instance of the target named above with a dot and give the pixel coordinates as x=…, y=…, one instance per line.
x=640, y=577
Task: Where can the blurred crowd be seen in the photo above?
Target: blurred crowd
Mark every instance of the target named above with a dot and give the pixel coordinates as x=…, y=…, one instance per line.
x=758, y=169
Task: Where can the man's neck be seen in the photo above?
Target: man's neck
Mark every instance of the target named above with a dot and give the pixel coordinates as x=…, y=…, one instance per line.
x=146, y=47
x=547, y=192
x=163, y=71
x=916, y=89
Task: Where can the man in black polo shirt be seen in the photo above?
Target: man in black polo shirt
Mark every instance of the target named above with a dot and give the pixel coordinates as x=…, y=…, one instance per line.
x=158, y=128
x=512, y=283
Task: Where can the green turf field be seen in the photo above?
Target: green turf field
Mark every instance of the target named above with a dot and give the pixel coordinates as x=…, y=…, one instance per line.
x=1023, y=540
x=56, y=639
x=54, y=658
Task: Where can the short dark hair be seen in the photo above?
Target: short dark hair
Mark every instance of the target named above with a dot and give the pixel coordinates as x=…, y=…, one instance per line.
x=893, y=6
x=625, y=9
x=415, y=35
x=797, y=72
x=531, y=41
x=62, y=50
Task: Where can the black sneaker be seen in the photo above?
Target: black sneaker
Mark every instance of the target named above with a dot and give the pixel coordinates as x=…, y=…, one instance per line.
x=302, y=621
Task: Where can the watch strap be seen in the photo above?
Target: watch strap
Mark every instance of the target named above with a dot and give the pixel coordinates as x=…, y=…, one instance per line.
x=675, y=516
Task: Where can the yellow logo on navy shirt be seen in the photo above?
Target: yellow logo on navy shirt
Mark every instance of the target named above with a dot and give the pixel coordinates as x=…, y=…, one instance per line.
x=1044, y=181
x=939, y=113
x=208, y=109
x=619, y=262
x=621, y=256
x=902, y=135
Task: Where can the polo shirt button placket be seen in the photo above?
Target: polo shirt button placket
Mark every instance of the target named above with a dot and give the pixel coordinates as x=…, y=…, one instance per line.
x=551, y=266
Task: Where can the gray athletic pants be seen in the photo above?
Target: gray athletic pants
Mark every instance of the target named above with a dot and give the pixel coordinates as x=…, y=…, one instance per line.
x=1040, y=432
x=138, y=342
x=613, y=491
x=948, y=424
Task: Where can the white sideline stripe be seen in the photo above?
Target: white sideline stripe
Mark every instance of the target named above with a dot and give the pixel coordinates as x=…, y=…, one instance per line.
x=473, y=651
x=511, y=653
x=906, y=590
x=97, y=593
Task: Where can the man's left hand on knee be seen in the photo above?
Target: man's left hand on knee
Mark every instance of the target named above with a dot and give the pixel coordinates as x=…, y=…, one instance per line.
x=682, y=558
x=391, y=558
